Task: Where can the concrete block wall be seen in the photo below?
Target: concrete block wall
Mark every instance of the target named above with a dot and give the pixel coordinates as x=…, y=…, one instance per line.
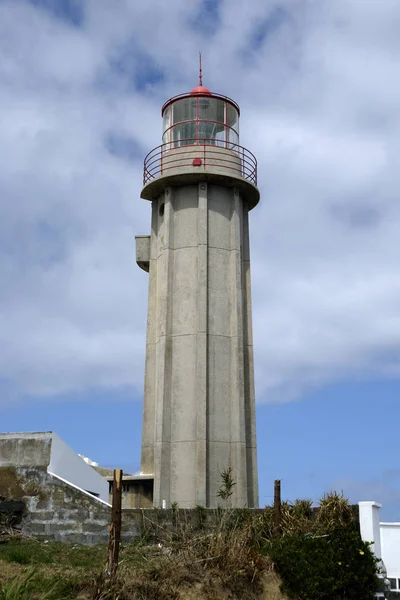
x=55, y=509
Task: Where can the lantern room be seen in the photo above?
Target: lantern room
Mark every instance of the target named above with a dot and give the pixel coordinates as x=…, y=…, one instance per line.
x=200, y=140
x=200, y=117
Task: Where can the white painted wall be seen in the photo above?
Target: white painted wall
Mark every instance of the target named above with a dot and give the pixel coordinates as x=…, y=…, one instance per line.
x=370, y=526
x=385, y=538
x=390, y=541
x=67, y=465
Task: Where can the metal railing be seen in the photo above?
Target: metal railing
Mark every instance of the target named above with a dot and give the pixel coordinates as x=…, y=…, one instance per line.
x=227, y=157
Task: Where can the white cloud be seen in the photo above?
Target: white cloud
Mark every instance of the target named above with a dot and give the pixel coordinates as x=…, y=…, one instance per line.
x=318, y=87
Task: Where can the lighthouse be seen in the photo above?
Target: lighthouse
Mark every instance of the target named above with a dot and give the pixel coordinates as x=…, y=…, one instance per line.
x=199, y=404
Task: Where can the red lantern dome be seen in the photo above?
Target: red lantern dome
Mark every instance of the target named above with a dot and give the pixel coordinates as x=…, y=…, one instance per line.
x=200, y=89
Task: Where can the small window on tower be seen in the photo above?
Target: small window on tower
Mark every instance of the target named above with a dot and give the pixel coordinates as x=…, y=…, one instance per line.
x=161, y=210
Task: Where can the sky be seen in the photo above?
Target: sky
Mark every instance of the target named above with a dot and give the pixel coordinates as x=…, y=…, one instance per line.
x=318, y=83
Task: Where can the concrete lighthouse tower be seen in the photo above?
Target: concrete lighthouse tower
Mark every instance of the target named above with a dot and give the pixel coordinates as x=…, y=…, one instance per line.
x=199, y=408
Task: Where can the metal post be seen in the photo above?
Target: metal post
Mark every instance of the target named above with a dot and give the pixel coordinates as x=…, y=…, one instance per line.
x=277, y=507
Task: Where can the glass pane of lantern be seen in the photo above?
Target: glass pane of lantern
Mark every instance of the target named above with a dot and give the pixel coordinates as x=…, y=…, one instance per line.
x=166, y=119
x=221, y=137
x=184, y=110
x=211, y=109
x=207, y=132
x=184, y=134
x=233, y=138
x=167, y=136
x=232, y=117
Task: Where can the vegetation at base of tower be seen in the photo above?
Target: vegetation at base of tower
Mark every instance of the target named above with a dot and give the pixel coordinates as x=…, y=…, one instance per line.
x=223, y=554
x=201, y=513
x=227, y=485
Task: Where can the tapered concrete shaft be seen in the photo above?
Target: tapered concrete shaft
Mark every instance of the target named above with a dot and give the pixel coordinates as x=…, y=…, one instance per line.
x=199, y=407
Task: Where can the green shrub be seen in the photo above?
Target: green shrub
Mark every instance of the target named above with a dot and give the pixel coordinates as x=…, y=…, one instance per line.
x=332, y=566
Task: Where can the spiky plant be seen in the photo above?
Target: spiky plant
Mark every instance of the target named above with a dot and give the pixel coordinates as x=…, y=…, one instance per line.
x=228, y=483
x=335, y=512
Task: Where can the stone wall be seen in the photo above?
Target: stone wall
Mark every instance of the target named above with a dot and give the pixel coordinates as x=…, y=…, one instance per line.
x=55, y=509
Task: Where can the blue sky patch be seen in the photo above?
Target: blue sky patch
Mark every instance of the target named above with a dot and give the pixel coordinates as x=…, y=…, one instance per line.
x=358, y=215
x=148, y=74
x=123, y=146
x=267, y=27
x=137, y=69
x=207, y=19
x=71, y=11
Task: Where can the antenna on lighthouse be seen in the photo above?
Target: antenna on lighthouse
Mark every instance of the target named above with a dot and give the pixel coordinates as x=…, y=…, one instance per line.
x=200, y=71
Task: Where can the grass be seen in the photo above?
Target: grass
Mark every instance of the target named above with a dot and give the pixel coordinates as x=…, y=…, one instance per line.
x=31, y=569
x=23, y=589
x=34, y=552
x=218, y=565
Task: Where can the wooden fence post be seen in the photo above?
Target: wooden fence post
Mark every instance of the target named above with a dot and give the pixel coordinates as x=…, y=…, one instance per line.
x=277, y=507
x=115, y=527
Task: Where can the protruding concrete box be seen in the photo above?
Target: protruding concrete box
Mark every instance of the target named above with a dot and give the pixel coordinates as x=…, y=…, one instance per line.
x=199, y=406
x=143, y=251
x=137, y=491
